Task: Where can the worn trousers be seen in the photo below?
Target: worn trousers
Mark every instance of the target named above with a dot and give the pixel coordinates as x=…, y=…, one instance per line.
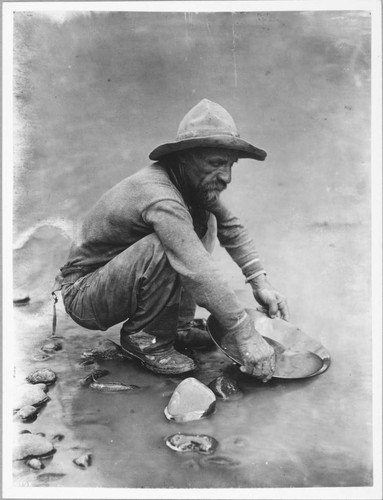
x=138, y=287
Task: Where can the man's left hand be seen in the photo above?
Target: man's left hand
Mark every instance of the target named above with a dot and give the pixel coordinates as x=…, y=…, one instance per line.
x=269, y=298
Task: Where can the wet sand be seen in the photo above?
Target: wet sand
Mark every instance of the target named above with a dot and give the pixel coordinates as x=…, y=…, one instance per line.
x=100, y=87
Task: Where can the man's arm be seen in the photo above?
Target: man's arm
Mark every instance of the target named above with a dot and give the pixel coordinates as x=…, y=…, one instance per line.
x=235, y=238
x=174, y=227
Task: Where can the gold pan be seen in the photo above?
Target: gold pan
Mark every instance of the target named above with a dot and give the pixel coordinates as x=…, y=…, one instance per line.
x=297, y=354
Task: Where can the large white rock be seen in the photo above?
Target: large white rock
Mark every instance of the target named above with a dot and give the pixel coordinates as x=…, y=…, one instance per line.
x=31, y=445
x=29, y=394
x=191, y=400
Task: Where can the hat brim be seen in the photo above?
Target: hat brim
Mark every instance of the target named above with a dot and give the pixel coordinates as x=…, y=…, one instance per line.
x=243, y=148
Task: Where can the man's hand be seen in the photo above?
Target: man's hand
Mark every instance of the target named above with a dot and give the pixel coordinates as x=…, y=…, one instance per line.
x=257, y=355
x=273, y=301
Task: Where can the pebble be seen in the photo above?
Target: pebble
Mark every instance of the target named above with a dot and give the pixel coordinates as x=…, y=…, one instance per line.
x=41, y=357
x=105, y=349
x=191, y=400
x=84, y=461
x=58, y=437
x=35, y=463
x=29, y=395
x=225, y=388
x=222, y=461
x=92, y=376
x=31, y=445
x=52, y=346
x=27, y=413
x=112, y=387
x=44, y=375
x=200, y=443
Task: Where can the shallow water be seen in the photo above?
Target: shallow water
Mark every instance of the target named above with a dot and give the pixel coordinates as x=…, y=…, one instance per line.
x=96, y=112
x=284, y=433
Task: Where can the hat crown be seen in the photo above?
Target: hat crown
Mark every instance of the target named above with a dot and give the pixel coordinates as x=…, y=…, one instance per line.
x=206, y=119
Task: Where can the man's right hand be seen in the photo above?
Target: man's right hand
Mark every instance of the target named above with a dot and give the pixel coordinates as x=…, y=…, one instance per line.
x=257, y=355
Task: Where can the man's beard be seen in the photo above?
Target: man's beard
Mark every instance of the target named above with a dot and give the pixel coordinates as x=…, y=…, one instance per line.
x=209, y=194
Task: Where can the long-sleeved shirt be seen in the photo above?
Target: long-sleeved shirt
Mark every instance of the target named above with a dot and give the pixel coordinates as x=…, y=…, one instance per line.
x=148, y=202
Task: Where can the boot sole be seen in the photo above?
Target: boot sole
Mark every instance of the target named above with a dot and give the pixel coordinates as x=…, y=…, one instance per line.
x=160, y=371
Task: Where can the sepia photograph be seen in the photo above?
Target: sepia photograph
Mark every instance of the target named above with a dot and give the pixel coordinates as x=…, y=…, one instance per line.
x=192, y=249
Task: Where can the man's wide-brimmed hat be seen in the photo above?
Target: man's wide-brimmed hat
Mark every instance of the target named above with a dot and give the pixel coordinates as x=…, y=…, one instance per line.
x=208, y=125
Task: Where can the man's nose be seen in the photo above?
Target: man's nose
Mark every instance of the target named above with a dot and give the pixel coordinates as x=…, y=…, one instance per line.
x=225, y=174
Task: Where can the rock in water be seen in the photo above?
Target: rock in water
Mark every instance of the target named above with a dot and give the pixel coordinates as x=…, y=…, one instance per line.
x=191, y=400
x=44, y=375
x=225, y=388
x=31, y=445
x=106, y=349
x=27, y=413
x=35, y=463
x=52, y=346
x=58, y=438
x=93, y=376
x=112, y=387
x=200, y=443
x=41, y=357
x=84, y=461
x=29, y=395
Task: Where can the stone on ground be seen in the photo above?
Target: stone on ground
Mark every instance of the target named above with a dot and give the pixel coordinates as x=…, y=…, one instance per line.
x=191, y=400
x=35, y=463
x=224, y=387
x=84, y=461
x=43, y=375
x=52, y=346
x=184, y=443
x=31, y=445
x=27, y=413
x=106, y=349
x=29, y=395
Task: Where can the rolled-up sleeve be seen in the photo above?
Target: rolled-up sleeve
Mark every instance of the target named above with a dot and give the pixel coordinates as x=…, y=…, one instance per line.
x=236, y=239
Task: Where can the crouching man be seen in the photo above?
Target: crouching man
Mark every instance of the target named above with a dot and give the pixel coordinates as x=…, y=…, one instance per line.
x=142, y=254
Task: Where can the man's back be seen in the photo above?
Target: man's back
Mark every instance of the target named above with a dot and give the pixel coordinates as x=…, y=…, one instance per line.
x=117, y=219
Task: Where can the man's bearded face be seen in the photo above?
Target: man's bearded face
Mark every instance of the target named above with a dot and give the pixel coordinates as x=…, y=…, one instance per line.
x=208, y=170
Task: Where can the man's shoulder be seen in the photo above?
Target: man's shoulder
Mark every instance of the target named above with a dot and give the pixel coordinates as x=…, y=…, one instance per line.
x=146, y=186
x=154, y=180
x=152, y=174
